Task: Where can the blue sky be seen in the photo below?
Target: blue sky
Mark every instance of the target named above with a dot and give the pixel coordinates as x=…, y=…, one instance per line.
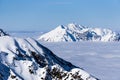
x=44, y=15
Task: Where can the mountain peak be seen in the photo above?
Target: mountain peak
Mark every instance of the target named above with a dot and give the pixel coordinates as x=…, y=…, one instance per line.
x=74, y=26
x=74, y=32
x=61, y=27
x=2, y=33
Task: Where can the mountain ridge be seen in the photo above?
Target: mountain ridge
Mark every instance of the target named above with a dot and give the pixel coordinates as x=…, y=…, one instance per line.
x=74, y=33
x=27, y=59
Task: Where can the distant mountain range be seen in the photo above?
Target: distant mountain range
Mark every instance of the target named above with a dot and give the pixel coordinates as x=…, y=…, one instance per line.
x=27, y=59
x=74, y=33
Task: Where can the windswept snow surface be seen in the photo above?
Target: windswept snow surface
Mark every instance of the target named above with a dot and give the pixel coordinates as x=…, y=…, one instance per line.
x=99, y=58
x=26, y=59
x=74, y=33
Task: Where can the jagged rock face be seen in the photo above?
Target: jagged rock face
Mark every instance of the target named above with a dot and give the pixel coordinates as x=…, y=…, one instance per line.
x=2, y=33
x=26, y=59
x=73, y=32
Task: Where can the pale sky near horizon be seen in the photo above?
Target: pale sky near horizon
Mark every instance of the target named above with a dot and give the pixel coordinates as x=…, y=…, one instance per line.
x=45, y=15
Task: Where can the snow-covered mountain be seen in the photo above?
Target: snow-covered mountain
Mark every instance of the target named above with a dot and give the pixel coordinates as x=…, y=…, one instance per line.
x=26, y=59
x=74, y=32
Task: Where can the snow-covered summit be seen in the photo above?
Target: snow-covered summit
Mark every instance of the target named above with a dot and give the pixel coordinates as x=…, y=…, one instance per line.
x=75, y=32
x=26, y=59
x=74, y=27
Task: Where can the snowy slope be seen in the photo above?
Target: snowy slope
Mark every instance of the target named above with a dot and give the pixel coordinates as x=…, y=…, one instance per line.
x=26, y=59
x=73, y=32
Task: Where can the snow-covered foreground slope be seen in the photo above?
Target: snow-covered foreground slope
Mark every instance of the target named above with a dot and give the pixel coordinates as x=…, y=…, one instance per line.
x=99, y=58
x=26, y=59
x=73, y=33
